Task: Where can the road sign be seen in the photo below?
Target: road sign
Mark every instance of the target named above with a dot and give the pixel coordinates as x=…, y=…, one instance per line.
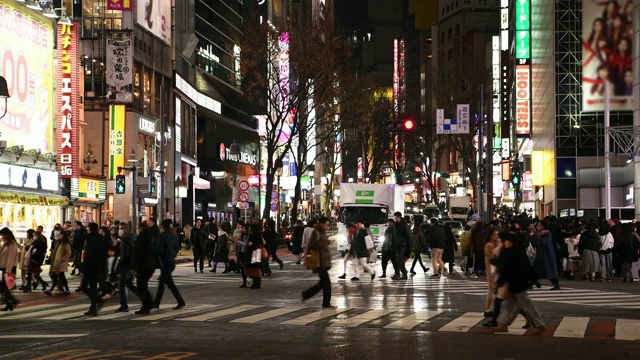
x=274, y=206
x=243, y=197
x=243, y=185
x=274, y=195
x=243, y=205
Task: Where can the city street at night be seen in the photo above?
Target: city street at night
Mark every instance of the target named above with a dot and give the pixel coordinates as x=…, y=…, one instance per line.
x=420, y=318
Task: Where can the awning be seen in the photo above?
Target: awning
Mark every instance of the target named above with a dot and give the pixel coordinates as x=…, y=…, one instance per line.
x=28, y=198
x=201, y=184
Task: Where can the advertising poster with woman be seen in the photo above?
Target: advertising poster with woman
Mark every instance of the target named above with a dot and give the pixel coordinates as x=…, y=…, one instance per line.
x=26, y=61
x=607, y=29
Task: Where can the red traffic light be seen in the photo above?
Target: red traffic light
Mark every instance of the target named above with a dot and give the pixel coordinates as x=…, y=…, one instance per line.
x=409, y=124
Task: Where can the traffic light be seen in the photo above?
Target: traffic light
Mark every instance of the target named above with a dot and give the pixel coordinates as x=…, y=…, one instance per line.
x=515, y=176
x=401, y=125
x=120, y=184
x=152, y=184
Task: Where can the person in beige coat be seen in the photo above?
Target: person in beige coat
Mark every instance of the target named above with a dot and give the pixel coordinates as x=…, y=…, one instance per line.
x=60, y=264
x=319, y=241
x=9, y=253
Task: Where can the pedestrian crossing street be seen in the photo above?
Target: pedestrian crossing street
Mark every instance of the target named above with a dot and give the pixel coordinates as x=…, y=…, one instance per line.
x=387, y=319
x=452, y=286
x=572, y=296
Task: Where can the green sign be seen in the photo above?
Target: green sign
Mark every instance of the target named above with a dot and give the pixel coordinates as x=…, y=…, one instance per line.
x=523, y=15
x=523, y=44
x=367, y=193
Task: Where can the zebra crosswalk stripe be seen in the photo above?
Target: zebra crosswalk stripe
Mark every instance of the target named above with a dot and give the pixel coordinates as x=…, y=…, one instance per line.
x=78, y=313
x=627, y=329
x=252, y=319
x=463, y=323
x=315, y=316
x=358, y=320
x=183, y=311
x=413, y=320
x=221, y=313
x=572, y=327
x=34, y=314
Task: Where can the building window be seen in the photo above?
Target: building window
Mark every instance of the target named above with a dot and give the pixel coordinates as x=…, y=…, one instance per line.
x=457, y=32
x=450, y=54
x=449, y=34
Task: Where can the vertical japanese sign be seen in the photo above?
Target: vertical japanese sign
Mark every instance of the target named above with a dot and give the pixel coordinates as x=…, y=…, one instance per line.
x=607, y=54
x=116, y=138
x=122, y=5
x=463, y=118
x=523, y=68
x=68, y=110
x=119, y=70
x=396, y=77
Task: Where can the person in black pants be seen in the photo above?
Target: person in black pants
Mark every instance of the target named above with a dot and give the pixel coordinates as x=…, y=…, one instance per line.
x=320, y=242
x=198, y=243
x=94, y=267
x=145, y=260
x=168, y=247
x=388, y=251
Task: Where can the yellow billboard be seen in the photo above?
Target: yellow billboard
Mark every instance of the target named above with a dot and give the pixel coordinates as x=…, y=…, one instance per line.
x=26, y=61
x=117, y=115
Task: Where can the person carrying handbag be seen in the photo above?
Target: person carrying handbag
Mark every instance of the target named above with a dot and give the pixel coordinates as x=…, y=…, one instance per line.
x=319, y=244
x=9, y=253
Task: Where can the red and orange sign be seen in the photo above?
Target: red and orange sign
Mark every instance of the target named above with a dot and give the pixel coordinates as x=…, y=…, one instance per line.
x=123, y=5
x=68, y=111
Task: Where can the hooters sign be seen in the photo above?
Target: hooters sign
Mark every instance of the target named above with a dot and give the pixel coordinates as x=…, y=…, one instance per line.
x=68, y=111
x=523, y=101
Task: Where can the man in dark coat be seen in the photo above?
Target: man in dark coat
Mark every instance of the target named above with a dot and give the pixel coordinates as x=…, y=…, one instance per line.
x=198, y=244
x=127, y=248
x=361, y=252
x=168, y=247
x=401, y=244
x=77, y=238
x=94, y=266
x=145, y=261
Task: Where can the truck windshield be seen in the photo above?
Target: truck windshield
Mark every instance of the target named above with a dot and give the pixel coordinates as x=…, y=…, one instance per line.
x=459, y=211
x=372, y=215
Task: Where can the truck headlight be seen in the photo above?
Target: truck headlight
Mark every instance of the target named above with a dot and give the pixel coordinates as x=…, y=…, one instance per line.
x=381, y=238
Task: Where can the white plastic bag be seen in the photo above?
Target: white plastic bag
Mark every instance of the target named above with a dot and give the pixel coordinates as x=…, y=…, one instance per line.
x=256, y=256
x=368, y=240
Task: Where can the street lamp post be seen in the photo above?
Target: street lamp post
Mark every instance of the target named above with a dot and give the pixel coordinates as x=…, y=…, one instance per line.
x=133, y=169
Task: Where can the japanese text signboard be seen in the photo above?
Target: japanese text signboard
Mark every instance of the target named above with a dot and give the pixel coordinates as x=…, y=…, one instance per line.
x=116, y=139
x=68, y=115
x=120, y=70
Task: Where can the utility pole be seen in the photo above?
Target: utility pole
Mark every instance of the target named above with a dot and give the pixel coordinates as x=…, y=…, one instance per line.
x=480, y=195
x=489, y=167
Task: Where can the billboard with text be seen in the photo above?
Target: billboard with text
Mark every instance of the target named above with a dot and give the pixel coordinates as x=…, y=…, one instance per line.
x=155, y=16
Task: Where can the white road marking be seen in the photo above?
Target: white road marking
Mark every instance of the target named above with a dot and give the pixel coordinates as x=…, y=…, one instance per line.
x=413, y=320
x=463, y=323
x=572, y=327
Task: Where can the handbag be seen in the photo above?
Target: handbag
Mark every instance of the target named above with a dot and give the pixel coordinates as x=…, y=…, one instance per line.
x=256, y=256
x=373, y=256
x=9, y=280
x=312, y=259
x=368, y=241
x=265, y=253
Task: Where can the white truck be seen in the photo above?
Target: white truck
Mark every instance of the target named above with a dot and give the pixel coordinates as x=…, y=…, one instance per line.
x=371, y=203
x=459, y=208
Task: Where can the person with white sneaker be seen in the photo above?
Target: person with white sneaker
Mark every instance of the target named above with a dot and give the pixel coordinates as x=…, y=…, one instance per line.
x=361, y=251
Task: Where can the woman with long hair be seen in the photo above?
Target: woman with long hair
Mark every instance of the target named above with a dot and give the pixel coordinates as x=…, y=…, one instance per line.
x=60, y=264
x=37, y=254
x=253, y=270
x=418, y=246
x=491, y=242
x=25, y=257
x=9, y=253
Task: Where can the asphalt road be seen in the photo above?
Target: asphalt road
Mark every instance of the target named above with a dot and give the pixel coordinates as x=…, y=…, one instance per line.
x=421, y=318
